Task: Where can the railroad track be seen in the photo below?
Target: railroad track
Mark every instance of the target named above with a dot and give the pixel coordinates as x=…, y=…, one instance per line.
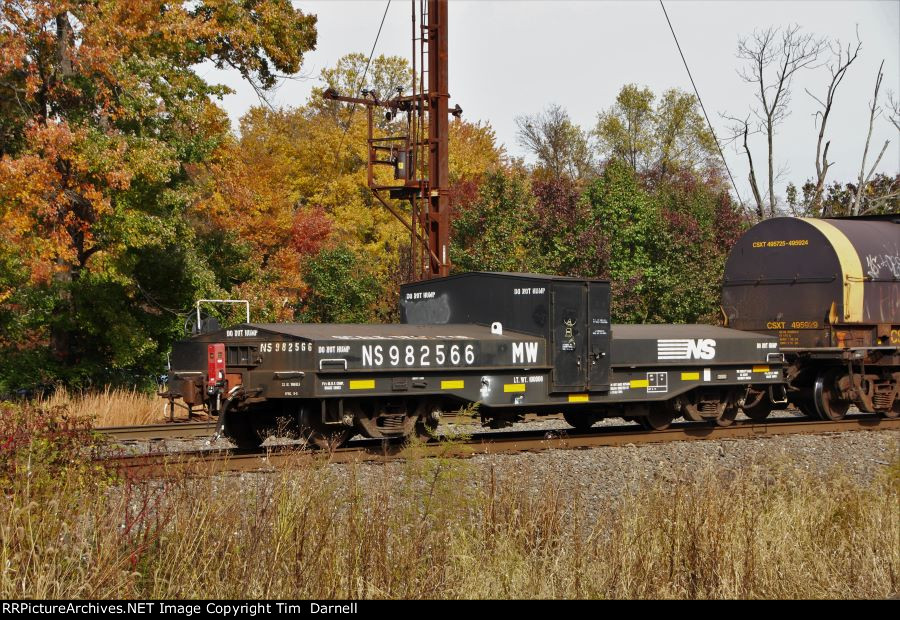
x=216, y=461
x=194, y=430
x=168, y=430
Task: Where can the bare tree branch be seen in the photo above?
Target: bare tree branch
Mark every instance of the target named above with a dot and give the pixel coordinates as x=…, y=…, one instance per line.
x=787, y=51
x=876, y=203
x=560, y=145
x=740, y=128
x=874, y=112
x=838, y=70
x=895, y=110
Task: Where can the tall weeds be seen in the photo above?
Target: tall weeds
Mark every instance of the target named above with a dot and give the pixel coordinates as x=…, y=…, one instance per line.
x=437, y=528
x=110, y=406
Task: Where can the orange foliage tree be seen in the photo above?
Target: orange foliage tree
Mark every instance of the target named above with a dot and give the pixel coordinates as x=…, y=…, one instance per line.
x=297, y=179
x=103, y=116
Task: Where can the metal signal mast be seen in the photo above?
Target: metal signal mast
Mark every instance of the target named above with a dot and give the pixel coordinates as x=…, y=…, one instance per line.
x=419, y=158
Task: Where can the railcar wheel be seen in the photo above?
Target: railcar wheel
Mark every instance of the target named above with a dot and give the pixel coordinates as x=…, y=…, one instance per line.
x=691, y=415
x=323, y=436
x=892, y=413
x=428, y=420
x=241, y=429
x=827, y=396
x=726, y=418
x=426, y=431
x=807, y=408
x=690, y=411
x=758, y=406
x=581, y=420
x=658, y=417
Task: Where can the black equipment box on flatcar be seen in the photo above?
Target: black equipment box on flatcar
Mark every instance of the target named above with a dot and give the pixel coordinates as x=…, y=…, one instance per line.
x=571, y=314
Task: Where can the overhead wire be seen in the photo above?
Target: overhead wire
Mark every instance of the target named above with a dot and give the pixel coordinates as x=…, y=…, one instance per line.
x=359, y=86
x=702, y=107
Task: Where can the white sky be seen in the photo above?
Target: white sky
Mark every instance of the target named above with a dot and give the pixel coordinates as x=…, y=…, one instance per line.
x=511, y=58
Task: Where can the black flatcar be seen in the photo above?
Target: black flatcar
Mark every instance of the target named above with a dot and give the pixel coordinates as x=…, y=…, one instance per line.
x=513, y=343
x=829, y=290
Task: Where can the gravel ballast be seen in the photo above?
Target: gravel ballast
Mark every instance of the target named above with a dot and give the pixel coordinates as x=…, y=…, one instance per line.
x=607, y=472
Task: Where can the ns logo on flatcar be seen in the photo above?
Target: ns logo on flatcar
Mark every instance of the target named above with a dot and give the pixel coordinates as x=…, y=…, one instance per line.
x=686, y=349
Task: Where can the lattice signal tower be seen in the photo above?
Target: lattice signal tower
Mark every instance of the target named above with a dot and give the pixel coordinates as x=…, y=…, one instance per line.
x=419, y=158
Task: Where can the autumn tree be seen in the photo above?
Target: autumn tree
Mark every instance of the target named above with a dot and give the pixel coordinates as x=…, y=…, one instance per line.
x=561, y=147
x=626, y=129
x=663, y=246
x=656, y=139
x=881, y=196
x=492, y=232
x=341, y=289
x=109, y=117
x=564, y=232
x=353, y=76
x=700, y=224
x=298, y=178
x=629, y=223
x=473, y=150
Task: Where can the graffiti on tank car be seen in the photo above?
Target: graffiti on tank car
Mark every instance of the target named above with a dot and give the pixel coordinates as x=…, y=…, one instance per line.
x=883, y=265
x=686, y=348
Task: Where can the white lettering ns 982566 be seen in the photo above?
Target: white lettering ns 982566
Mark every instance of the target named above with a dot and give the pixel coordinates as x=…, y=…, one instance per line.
x=417, y=356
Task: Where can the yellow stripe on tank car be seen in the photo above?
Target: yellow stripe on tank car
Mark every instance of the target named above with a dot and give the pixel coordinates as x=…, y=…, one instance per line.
x=513, y=387
x=639, y=383
x=362, y=384
x=760, y=369
x=453, y=385
x=850, y=266
x=690, y=376
x=578, y=398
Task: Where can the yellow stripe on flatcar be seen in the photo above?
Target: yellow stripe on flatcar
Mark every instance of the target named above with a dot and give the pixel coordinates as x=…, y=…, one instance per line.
x=513, y=387
x=578, y=398
x=453, y=385
x=362, y=384
x=690, y=376
x=639, y=383
x=760, y=369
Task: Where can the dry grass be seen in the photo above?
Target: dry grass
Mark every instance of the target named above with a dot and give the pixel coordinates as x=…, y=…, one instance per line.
x=444, y=529
x=110, y=407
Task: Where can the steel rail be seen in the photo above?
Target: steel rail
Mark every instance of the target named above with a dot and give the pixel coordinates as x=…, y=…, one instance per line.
x=197, y=430
x=168, y=430
x=217, y=461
